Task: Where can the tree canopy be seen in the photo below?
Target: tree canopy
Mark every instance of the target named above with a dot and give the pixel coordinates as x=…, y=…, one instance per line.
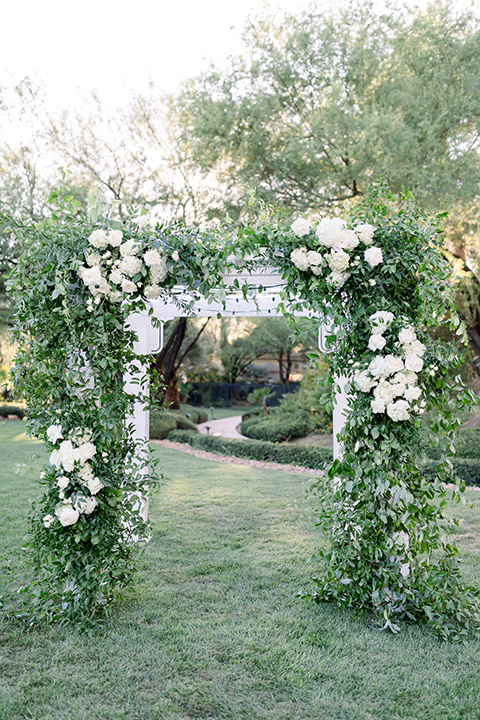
x=320, y=104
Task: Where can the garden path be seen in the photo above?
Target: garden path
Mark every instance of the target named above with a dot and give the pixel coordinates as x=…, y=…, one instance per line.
x=225, y=427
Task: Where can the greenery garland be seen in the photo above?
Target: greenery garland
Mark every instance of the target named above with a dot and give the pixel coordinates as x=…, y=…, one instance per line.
x=378, y=276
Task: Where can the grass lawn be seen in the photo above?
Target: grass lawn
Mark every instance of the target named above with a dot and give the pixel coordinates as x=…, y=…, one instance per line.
x=213, y=629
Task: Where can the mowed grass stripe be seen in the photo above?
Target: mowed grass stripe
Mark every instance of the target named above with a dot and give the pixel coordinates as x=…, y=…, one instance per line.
x=212, y=628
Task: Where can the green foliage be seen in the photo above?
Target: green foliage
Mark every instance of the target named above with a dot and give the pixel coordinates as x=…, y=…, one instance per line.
x=466, y=444
x=6, y=410
x=195, y=414
x=161, y=424
x=277, y=427
x=389, y=543
x=312, y=397
x=310, y=456
x=261, y=396
x=466, y=470
x=322, y=103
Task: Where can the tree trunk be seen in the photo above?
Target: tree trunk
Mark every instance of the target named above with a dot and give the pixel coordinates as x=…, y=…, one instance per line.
x=164, y=364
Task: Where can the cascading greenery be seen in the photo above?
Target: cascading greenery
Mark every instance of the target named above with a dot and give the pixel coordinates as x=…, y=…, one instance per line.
x=377, y=276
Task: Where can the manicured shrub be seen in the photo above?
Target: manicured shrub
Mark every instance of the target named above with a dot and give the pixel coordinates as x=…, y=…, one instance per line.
x=277, y=427
x=197, y=415
x=310, y=456
x=467, y=470
x=183, y=422
x=6, y=410
x=467, y=445
x=161, y=424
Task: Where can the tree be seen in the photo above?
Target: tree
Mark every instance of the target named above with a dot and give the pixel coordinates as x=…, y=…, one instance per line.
x=284, y=341
x=181, y=339
x=320, y=104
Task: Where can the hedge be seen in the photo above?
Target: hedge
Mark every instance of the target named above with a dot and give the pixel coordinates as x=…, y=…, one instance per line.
x=276, y=427
x=310, y=456
x=162, y=423
x=467, y=445
x=467, y=470
x=6, y=410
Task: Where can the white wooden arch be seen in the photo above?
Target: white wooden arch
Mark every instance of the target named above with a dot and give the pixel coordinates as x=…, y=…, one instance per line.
x=263, y=300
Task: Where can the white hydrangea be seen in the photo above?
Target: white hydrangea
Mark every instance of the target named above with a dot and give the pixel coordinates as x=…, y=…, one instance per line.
x=376, y=342
x=338, y=279
x=115, y=238
x=328, y=230
x=365, y=232
x=128, y=287
x=152, y=257
x=398, y=389
x=301, y=227
x=373, y=256
x=54, y=433
x=159, y=272
x=116, y=277
x=407, y=377
x=93, y=278
x=152, y=292
x=377, y=405
x=412, y=393
x=338, y=261
x=86, y=472
x=130, y=265
x=346, y=240
x=363, y=380
x=90, y=505
x=98, y=239
x=384, y=391
x=92, y=259
x=130, y=247
x=67, y=514
x=378, y=367
x=299, y=258
x=398, y=410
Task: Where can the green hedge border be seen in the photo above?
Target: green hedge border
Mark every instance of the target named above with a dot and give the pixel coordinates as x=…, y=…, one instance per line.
x=307, y=456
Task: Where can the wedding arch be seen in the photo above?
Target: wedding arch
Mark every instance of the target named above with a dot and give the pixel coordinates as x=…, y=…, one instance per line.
x=87, y=290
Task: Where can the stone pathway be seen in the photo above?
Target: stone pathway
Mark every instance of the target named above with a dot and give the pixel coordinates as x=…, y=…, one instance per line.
x=226, y=427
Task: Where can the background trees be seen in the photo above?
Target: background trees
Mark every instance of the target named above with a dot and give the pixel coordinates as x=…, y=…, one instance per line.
x=316, y=107
x=319, y=105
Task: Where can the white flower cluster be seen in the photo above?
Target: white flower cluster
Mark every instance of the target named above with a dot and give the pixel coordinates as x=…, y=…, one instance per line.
x=71, y=462
x=336, y=243
x=110, y=274
x=393, y=378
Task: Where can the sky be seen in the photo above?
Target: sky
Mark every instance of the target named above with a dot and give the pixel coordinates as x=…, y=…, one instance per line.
x=115, y=46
